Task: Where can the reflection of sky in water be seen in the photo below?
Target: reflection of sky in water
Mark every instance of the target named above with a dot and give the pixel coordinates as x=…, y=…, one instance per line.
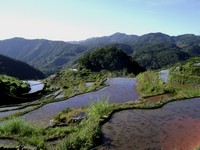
x=35, y=86
x=120, y=90
x=148, y=129
x=163, y=75
x=7, y=113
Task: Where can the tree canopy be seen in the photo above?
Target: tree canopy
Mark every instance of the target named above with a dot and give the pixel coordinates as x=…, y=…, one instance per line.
x=109, y=58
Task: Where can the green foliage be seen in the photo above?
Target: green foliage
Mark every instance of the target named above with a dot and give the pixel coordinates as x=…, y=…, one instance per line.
x=155, y=56
x=99, y=109
x=24, y=132
x=88, y=134
x=18, y=127
x=149, y=84
x=12, y=85
x=28, y=134
x=109, y=58
x=67, y=115
x=85, y=138
x=74, y=82
x=188, y=73
x=183, y=80
x=53, y=132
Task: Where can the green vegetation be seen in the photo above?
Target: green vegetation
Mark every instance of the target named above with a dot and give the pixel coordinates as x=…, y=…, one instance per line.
x=15, y=91
x=72, y=83
x=85, y=134
x=153, y=50
x=155, y=56
x=13, y=86
x=18, y=69
x=48, y=56
x=183, y=81
x=22, y=132
x=188, y=73
x=89, y=133
x=111, y=59
x=79, y=135
x=149, y=84
x=29, y=135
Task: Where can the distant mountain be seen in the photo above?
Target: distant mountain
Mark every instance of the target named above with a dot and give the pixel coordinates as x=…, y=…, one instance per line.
x=189, y=43
x=155, y=56
x=48, y=56
x=119, y=38
x=18, y=69
x=153, y=50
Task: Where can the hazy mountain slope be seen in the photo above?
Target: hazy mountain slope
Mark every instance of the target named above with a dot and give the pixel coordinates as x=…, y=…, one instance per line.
x=43, y=54
x=189, y=43
x=18, y=69
x=119, y=38
x=153, y=50
x=156, y=56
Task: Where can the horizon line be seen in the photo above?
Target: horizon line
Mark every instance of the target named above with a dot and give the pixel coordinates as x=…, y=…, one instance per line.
x=61, y=40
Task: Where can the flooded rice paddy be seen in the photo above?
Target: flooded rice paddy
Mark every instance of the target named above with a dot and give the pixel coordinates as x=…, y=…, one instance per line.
x=174, y=126
x=120, y=90
x=11, y=112
x=35, y=86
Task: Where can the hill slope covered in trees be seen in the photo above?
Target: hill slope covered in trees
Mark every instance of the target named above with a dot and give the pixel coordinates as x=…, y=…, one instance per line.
x=153, y=50
x=111, y=59
x=18, y=69
x=47, y=56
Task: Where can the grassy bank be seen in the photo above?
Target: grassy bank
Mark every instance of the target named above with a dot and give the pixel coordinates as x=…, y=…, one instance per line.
x=13, y=86
x=84, y=134
x=71, y=83
x=183, y=81
x=75, y=82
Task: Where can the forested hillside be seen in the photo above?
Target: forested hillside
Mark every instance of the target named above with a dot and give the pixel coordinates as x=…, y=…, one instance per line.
x=48, y=56
x=109, y=58
x=18, y=69
x=153, y=50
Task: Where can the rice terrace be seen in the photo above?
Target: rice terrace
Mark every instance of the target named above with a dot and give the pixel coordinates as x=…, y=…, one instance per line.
x=68, y=83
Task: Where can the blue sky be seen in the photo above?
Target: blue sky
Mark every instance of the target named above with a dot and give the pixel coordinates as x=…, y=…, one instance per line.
x=70, y=20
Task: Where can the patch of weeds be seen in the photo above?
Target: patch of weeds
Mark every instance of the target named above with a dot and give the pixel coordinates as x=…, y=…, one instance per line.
x=67, y=115
x=24, y=132
x=99, y=109
x=58, y=131
x=149, y=84
x=89, y=132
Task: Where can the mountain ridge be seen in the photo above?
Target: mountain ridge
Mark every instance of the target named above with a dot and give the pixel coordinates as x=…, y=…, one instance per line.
x=18, y=69
x=53, y=56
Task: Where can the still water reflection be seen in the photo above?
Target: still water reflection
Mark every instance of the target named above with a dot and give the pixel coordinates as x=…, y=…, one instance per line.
x=174, y=126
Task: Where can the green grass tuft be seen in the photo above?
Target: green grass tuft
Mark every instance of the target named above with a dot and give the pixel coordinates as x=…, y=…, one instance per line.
x=18, y=127
x=89, y=131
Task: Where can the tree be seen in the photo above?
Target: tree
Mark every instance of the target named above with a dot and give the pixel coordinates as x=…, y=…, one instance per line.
x=109, y=58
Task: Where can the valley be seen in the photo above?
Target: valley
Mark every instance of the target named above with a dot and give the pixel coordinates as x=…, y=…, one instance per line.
x=110, y=100
x=99, y=75
x=151, y=51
